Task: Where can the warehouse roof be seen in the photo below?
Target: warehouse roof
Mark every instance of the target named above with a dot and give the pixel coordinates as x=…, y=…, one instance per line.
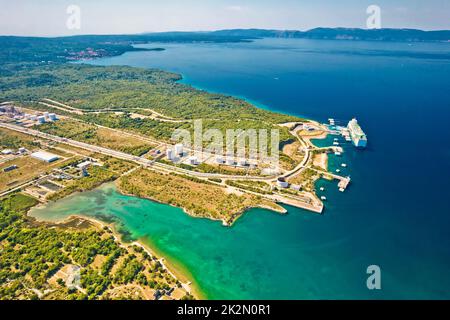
x=45, y=156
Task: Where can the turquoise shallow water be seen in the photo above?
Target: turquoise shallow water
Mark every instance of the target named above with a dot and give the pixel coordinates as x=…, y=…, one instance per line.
x=395, y=212
x=262, y=256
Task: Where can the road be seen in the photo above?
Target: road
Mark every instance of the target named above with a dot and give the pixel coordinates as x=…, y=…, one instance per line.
x=160, y=166
x=125, y=156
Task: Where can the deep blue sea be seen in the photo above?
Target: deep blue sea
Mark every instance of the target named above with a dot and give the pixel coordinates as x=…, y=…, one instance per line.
x=396, y=213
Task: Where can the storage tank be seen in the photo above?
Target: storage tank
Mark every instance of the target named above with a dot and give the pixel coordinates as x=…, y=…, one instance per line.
x=230, y=161
x=169, y=154
x=41, y=119
x=220, y=160
x=193, y=160
x=282, y=183
x=179, y=149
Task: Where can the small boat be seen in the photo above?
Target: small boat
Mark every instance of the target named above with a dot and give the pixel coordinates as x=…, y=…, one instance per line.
x=344, y=165
x=322, y=189
x=337, y=153
x=335, y=143
x=338, y=170
x=323, y=198
x=336, y=139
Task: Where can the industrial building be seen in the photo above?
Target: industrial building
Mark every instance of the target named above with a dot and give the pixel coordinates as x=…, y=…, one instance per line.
x=84, y=164
x=44, y=156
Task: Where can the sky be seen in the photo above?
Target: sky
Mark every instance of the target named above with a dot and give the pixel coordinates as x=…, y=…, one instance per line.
x=49, y=17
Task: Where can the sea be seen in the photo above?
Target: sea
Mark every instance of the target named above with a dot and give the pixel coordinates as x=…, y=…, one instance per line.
x=395, y=213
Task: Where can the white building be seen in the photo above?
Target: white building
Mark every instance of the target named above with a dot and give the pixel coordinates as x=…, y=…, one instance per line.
x=44, y=156
x=52, y=116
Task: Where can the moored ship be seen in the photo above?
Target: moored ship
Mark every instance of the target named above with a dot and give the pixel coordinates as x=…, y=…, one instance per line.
x=358, y=136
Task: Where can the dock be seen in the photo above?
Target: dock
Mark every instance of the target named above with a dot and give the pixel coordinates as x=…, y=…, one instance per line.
x=343, y=183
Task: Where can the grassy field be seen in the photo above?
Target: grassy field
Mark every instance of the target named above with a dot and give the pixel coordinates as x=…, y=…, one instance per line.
x=28, y=168
x=103, y=137
x=198, y=198
x=14, y=140
x=111, y=170
x=305, y=179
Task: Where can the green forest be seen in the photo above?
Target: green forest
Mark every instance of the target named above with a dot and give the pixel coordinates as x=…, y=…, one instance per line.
x=32, y=253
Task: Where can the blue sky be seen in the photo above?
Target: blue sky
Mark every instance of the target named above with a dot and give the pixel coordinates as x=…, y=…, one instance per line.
x=48, y=17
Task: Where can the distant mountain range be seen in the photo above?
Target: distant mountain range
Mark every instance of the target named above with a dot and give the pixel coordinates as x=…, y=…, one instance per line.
x=409, y=35
x=244, y=35
x=60, y=49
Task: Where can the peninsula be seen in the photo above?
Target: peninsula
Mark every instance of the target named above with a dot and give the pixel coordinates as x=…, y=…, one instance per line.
x=69, y=128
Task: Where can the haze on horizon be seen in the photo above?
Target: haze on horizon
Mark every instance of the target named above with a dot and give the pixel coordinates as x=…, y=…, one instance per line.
x=49, y=17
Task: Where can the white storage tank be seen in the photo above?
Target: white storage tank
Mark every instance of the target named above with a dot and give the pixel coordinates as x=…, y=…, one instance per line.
x=169, y=154
x=193, y=160
x=243, y=162
x=230, y=161
x=41, y=119
x=220, y=160
x=179, y=149
x=282, y=183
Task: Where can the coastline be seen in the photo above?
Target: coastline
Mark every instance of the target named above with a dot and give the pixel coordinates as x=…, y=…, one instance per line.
x=225, y=223
x=177, y=271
